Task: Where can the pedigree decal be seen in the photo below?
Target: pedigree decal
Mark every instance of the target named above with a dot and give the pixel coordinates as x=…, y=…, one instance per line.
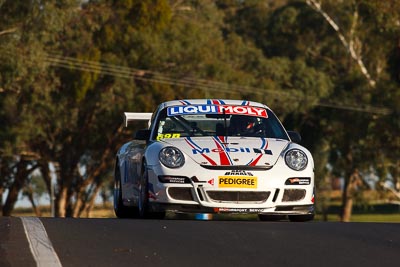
x=237, y=181
x=217, y=109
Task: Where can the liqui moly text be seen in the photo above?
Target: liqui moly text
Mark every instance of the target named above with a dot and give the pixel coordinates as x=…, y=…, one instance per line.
x=217, y=109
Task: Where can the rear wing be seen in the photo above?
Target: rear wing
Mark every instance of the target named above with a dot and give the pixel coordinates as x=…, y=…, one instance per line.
x=136, y=116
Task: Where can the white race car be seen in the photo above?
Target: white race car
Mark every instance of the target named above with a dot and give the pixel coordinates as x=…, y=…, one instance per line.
x=213, y=156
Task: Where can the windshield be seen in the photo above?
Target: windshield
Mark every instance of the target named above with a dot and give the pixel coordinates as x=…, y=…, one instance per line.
x=212, y=120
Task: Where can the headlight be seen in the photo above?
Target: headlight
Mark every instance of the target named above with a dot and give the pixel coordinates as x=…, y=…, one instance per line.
x=296, y=159
x=171, y=157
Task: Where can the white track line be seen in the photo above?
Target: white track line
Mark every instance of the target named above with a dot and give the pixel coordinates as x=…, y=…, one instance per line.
x=39, y=242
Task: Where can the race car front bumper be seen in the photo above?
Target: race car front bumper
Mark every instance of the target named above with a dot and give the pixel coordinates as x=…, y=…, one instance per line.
x=203, y=195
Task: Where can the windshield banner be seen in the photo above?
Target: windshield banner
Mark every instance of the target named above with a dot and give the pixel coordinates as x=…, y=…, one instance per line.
x=217, y=109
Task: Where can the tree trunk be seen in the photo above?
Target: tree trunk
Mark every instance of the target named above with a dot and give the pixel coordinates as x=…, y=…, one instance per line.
x=61, y=202
x=17, y=185
x=347, y=203
x=65, y=174
x=350, y=188
x=347, y=209
x=82, y=202
x=12, y=196
x=78, y=207
x=90, y=204
x=35, y=208
x=86, y=198
x=44, y=169
x=64, y=206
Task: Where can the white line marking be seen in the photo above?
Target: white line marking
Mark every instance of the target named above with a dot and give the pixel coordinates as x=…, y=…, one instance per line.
x=39, y=242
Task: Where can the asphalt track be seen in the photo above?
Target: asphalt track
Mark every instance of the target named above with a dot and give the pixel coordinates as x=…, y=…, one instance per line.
x=115, y=242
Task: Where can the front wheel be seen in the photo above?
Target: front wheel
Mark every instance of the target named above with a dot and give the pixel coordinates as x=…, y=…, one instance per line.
x=120, y=210
x=144, y=211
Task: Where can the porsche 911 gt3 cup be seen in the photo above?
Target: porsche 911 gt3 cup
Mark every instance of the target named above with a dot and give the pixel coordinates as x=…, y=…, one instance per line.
x=213, y=156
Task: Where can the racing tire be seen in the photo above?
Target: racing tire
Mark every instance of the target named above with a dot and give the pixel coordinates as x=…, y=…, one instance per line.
x=120, y=210
x=271, y=218
x=301, y=218
x=144, y=211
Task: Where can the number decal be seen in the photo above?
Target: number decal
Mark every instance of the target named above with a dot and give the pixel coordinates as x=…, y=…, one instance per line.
x=168, y=135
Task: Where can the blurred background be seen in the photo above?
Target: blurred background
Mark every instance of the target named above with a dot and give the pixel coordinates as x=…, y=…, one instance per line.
x=330, y=69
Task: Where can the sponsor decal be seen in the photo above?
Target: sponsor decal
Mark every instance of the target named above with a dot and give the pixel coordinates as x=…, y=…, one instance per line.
x=298, y=181
x=224, y=151
x=237, y=181
x=239, y=172
x=230, y=150
x=238, y=210
x=217, y=109
x=264, y=146
x=193, y=145
x=224, y=157
x=211, y=182
x=262, y=151
x=168, y=135
x=173, y=179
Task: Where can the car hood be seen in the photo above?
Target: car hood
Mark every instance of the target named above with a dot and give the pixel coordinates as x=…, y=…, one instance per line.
x=230, y=151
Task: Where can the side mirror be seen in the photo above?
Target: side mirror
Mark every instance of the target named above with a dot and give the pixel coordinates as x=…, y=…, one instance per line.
x=294, y=136
x=143, y=134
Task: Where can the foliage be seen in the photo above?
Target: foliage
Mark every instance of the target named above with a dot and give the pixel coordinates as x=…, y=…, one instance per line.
x=68, y=69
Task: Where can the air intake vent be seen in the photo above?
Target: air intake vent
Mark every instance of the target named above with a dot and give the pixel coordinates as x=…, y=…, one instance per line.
x=290, y=195
x=238, y=196
x=180, y=193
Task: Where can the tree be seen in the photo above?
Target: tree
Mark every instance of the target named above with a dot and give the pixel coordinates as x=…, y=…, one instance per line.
x=357, y=31
x=348, y=44
x=68, y=70
x=20, y=67
x=352, y=43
